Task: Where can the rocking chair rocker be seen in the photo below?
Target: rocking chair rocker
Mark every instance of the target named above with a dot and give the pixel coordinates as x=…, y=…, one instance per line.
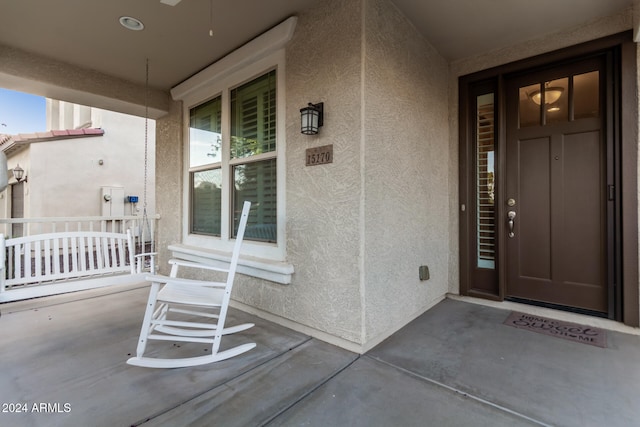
x=176, y=295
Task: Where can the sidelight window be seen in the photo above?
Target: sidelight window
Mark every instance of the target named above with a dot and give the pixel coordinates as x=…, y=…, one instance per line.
x=485, y=181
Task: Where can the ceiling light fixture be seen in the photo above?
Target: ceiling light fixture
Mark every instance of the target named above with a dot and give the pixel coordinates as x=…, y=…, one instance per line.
x=131, y=23
x=551, y=95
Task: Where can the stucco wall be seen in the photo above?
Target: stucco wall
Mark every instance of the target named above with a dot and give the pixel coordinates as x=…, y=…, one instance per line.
x=323, y=202
x=65, y=176
x=405, y=151
x=169, y=176
x=358, y=228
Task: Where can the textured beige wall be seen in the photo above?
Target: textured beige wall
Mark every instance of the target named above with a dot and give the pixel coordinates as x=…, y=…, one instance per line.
x=323, y=202
x=406, y=200
x=359, y=228
x=169, y=176
x=570, y=37
x=75, y=188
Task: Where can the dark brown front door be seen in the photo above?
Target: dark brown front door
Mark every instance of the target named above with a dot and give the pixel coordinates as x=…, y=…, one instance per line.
x=556, y=187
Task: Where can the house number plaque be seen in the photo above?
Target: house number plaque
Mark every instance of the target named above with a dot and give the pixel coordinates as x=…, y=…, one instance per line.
x=320, y=155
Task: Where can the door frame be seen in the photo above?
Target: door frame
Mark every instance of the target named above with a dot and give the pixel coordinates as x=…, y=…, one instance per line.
x=624, y=295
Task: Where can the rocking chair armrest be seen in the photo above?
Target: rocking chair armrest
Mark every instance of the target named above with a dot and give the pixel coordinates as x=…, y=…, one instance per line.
x=192, y=264
x=158, y=278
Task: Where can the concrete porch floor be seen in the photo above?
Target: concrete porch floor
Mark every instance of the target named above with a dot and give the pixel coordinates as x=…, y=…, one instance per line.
x=456, y=365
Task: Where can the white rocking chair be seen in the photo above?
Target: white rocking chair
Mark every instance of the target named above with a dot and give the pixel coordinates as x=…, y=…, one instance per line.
x=177, y=296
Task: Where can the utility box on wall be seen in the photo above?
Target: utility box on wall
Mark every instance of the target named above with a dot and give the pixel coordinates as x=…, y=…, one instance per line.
x=112, y=200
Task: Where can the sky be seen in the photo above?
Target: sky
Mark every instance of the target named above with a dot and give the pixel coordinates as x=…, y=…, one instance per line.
x=21, y=112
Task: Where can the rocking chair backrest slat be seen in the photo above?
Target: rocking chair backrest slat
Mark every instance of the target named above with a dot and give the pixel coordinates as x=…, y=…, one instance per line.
x=231, y=275
x=238, y=244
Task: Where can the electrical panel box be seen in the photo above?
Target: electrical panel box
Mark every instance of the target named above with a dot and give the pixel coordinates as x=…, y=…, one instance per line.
x=112, y=200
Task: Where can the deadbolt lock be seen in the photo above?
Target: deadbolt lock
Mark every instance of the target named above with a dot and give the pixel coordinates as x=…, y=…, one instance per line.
x=511, y=202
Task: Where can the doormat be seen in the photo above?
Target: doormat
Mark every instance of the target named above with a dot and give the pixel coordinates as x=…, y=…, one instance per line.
x=558, y=328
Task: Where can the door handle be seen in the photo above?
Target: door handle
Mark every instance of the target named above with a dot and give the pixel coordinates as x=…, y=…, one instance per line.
x=511, y=215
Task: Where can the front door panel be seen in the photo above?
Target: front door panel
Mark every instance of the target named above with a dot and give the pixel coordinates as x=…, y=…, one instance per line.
x=556, y=181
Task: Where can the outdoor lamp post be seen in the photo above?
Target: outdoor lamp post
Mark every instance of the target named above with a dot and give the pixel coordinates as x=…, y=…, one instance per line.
x=311, y=118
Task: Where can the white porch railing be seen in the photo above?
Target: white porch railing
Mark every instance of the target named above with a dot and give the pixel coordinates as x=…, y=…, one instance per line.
x=20, y=227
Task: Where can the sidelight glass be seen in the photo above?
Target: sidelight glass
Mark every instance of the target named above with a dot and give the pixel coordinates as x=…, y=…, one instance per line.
x=485, y=180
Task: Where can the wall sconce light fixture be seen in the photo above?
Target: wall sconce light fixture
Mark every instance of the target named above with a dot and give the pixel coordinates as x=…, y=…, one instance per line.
x=18, y=173
x=311, y=118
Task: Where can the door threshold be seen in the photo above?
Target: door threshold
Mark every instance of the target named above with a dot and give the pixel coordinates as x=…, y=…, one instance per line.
x=558, y=307
x=567, y=316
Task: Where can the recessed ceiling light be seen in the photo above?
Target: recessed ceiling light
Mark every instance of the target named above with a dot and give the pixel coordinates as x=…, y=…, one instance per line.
x=131, y=23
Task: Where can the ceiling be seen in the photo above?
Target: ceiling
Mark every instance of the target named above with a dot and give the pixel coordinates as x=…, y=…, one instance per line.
x=176, y=39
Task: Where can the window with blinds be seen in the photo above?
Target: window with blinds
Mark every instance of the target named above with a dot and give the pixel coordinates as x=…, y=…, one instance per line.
x=248, y=169
x=253, y=152
x=485, y=184
x=205, y=145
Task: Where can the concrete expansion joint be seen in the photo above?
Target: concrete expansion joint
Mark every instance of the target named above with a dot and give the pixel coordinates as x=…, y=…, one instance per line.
x=310, y=391
x=461, y=392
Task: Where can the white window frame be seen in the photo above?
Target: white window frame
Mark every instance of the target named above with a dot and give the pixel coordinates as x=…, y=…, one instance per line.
x=252, y=60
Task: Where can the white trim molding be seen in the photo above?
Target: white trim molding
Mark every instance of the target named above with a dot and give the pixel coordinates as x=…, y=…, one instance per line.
x=267, y=269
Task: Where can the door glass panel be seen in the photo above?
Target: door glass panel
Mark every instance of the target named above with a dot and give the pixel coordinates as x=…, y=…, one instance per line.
x=586, y=95
x=529, y=109
x=556, y=100
x=485, y=184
